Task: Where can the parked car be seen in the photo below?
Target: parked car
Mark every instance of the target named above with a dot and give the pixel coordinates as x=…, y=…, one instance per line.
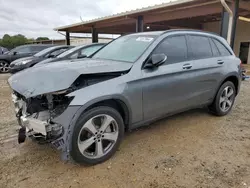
x=77, y=52
x=19, y=52
x=84, y=109
x=27, y=62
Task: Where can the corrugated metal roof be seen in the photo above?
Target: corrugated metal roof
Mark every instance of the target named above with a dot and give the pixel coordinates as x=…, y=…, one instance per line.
x=136, y=11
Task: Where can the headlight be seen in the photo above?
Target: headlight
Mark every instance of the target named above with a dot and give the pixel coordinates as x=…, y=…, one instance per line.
x=23, y=62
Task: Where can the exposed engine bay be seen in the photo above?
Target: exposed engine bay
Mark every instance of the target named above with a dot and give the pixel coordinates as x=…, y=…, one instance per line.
x=36, y=114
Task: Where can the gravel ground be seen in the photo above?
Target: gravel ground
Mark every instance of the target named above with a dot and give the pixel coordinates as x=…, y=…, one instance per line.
x=192, y=149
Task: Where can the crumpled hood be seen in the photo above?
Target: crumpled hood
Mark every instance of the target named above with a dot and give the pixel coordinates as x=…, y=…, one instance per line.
x=59, y=76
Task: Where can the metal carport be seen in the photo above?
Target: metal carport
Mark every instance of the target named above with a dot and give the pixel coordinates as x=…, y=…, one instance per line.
x=192, y=14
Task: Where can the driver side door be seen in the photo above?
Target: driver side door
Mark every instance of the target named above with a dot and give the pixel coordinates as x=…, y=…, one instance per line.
x=167, y=88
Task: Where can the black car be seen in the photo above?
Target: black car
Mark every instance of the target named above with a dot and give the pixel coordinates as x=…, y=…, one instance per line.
x=27, y=62
x=77, y=52
x=19, y=52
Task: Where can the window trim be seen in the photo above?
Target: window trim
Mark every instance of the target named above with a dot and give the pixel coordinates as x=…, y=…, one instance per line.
x=169, y=36
x=189, y=47
x=211, y=41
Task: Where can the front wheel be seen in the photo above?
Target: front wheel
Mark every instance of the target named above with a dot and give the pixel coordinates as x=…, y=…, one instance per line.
x=4, y=66
x=97, y=135
x=224, y=99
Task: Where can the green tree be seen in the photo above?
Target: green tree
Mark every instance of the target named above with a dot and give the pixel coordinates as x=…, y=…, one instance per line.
x=13, y=41
x=42, y=38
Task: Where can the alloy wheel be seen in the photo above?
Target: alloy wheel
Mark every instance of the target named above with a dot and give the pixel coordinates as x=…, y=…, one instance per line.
x=4, y=67
x=98, y=136
x=226, y=98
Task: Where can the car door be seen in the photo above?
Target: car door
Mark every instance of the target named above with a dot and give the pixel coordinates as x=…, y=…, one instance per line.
x=169, y=87
x=206, y=68
x=21, y=51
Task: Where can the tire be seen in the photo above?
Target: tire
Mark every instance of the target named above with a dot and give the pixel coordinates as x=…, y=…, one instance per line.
x=4, y=66
x=85, y=133
x=224, y=99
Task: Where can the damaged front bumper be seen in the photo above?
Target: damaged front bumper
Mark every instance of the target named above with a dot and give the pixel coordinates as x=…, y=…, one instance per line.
x=44, y=129
x=38, y=125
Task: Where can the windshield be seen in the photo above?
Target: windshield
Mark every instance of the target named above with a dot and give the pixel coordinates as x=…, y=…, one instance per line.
x=127, y=48
x=69, y=51
x=44, y=52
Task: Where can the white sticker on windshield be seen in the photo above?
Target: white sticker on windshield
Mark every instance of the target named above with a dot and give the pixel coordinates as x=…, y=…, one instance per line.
x=144, y=39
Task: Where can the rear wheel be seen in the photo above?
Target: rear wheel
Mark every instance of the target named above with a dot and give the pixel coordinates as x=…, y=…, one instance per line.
x=224, y=99
x=4, y=66
x=97, y=135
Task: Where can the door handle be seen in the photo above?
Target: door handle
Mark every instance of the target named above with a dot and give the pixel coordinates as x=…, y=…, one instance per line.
x=220, y=62
x=187, y=66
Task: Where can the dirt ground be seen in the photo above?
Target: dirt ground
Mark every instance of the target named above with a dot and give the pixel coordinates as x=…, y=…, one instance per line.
x=192, y=149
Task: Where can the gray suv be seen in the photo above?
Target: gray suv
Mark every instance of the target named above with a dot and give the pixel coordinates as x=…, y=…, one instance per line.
x=83, y=108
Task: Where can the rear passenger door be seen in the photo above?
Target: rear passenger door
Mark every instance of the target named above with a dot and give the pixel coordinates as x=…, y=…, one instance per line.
x=206, y=68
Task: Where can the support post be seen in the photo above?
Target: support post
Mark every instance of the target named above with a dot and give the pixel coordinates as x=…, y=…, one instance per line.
x=67, y=38
x=94, y=35
x=224, y=23
x=235, y=18
x=139, y=24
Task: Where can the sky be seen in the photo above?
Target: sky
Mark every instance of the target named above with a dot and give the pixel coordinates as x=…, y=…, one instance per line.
x=34, y=18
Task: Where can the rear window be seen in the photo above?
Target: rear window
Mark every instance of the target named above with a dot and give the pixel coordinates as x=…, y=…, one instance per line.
x=223, y=50
x=200, y=47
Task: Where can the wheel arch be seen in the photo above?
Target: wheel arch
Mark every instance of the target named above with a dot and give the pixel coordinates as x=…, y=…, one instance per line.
x=5, y=60
x=234, y=79
x=117, y=102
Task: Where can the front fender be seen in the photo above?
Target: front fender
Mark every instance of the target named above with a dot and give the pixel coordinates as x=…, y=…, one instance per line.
x=83, y=99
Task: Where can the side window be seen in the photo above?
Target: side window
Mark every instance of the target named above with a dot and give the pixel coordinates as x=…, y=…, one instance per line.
x=215, y=50
x=174, y=48
x=74, y=55
x=57, y=52
x=90, y=50
x=223, y=50
x=200, y=47
x=23, y=49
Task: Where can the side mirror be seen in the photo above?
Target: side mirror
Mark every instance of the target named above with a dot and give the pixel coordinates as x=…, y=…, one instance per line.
x=14, y=53
x=156, y=60
x=81, y=56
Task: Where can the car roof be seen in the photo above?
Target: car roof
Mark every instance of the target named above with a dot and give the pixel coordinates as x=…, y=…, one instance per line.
x=149, y=33
x=60, y=46
x=192, y=31
x=38, y=45
x=92, y=44
x=158, y=33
